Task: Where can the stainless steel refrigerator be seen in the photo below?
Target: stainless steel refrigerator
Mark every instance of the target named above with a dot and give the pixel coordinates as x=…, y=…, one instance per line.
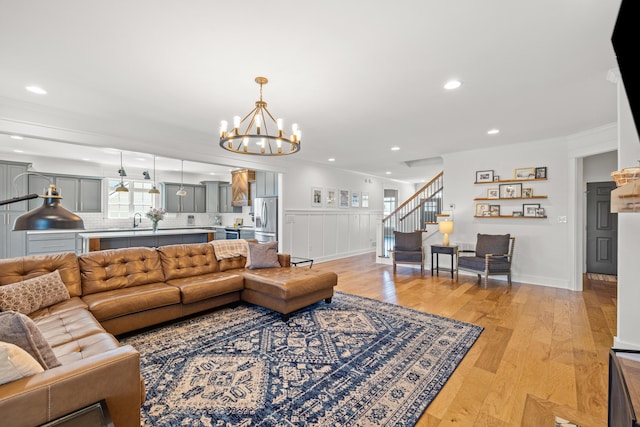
x=266, y=219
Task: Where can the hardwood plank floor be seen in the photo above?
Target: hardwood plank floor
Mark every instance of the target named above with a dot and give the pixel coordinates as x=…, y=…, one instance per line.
x=543, y=352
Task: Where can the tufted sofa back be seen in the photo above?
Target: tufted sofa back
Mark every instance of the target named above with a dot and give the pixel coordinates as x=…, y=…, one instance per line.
x=23, y=268
x=180, y=261
x=102, y=271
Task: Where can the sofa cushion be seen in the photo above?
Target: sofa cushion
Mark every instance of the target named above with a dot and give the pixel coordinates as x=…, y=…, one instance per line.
x=66, y=326
x=478, y=263
x=120, y=302
x=262, y=255
x=102, y=271
x=15, y=363
x=179, y=261
x=18, y=329
x=494, y=244
x=85, y=347
x=19, y=269
x=33, y=294
x=411, y=241
x=198, y=288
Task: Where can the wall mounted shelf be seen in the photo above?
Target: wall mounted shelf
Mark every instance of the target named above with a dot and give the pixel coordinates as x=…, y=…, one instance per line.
x=512, y=198
x=510, y=216
x=506, y=181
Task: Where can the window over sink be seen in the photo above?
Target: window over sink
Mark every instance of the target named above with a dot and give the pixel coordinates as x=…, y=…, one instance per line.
x=126, y=204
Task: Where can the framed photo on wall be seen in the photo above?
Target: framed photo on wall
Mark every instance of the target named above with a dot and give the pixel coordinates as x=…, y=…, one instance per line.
x=524, y=173
x=494, y=210
x=510, y=191
x=316, y=197
x=484, y=176
x=541, y=172
x=527, y=193
x=355, y=199
x=364, y=202
x=482, y=209
x=344, y=198
x=332, y=198
x=493, y=193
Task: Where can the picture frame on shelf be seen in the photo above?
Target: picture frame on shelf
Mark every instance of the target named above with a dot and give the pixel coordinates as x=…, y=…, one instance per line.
x=484, y=176
x=364, y=199
x=316, y=197
x=541, y=172
x=482, y=209
x=355, y=199
x=496, y=178
x=530, y=209
x=524, y=173
x=517, y=213
x=493, y=193
x=494, y=210
x=332, y=198
x=540, y=212
x=527, y=193
x=511, y=191
x=344, y=199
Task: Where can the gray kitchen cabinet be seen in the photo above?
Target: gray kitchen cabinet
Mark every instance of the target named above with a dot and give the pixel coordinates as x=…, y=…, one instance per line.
x=226, y=195
x=12, y=243
x=220, y=233
x=266, y=184
x=212, y=191
x=79, y=194
x=47, y=243
x=193, y=201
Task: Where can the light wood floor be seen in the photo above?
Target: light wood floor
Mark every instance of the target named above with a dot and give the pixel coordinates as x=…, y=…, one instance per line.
x=543, y=352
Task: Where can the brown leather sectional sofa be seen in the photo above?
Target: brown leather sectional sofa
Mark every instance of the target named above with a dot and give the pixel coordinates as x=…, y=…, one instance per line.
x=117, y=291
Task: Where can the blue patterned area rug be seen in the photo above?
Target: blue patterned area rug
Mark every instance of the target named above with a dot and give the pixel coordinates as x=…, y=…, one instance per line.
x=354, y=362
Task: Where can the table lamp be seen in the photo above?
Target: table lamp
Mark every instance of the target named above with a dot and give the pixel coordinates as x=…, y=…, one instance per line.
x=446, y=227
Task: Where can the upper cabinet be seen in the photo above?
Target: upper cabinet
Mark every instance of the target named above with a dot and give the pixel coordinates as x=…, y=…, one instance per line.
x=79, y=194
x=193, y=202
x=266, y=184
x=240, y=187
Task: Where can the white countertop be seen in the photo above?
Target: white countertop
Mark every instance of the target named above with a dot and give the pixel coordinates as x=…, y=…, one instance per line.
x=142, y=232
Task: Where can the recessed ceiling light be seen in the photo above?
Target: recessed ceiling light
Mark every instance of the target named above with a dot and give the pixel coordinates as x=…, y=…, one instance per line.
x=86, y=159
x=388, y=172
x=141, y=159
x=452, y=84
x=331, y=159
x=16, y=137
x=212, y=173
x=18, y=151
x=395, y=148
x=493, y=131
x=36, y=89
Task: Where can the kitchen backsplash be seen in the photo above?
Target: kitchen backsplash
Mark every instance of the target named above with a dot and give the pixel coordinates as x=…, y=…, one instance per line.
x=96, y=221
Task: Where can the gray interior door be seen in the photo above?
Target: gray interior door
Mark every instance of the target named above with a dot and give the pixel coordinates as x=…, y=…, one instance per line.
x=602, y=229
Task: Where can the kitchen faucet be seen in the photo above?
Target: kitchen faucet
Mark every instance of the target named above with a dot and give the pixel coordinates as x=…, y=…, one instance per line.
x=136, y=224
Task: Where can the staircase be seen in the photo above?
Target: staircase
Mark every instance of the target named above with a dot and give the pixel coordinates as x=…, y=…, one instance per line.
x=418, y=211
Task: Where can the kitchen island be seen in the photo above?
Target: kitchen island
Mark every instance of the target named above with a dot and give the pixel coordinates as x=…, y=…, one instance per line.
x=96, y=241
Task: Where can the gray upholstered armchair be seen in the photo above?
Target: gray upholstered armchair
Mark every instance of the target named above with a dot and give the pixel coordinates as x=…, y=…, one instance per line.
x=493, y=255
x=408, y=249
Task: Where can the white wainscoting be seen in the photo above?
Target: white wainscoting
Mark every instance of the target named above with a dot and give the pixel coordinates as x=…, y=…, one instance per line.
x=324, y=235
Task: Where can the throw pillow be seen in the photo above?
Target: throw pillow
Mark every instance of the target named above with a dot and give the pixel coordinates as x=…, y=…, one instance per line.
x=262, y=255
x=15, y=363
x=33, y=294
x=18, y=329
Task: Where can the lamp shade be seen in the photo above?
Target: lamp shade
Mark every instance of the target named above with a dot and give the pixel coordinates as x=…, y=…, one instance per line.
x=50, y=216
x=445, y=227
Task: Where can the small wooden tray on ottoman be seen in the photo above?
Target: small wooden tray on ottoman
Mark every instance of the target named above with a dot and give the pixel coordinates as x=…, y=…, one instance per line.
x=286, y=290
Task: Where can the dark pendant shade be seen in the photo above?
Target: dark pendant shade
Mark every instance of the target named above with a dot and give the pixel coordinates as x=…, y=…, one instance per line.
x=50, y=216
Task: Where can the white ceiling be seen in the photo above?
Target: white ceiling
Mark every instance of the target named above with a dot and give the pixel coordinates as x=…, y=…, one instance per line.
x=358, y=76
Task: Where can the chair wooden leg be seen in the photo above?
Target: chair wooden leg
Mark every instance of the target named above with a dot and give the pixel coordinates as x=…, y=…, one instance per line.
x=486, y=279
x=509, y=278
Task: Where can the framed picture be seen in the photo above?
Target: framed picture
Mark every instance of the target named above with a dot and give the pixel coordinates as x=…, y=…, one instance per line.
x=530, y=209
x=496, y=178
x=364, y=199
x=332, y=198
x=355, y=199
x=482, y=209
x=484, y=176
x=524, y=173
x=540, y=212
x=344, y=198
x=510, y=191
x=541, y=172
x=517, y=213
x=493, y=193
x=527, y=193
x=316, y=197
x=494, y=210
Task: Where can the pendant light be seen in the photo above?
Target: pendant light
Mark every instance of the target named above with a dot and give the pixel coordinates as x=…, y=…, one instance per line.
x=154, y=190
x=121, y=188
x=181, y=192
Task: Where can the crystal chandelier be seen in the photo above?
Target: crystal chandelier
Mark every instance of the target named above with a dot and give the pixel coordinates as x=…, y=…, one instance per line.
x=256, y=138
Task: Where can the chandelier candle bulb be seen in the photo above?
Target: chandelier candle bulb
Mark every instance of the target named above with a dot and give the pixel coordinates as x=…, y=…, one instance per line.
x=236, y=124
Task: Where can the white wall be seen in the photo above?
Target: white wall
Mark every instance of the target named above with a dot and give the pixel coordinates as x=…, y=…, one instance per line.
x=541, y=247
x=628, y=334
x=598, y=168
